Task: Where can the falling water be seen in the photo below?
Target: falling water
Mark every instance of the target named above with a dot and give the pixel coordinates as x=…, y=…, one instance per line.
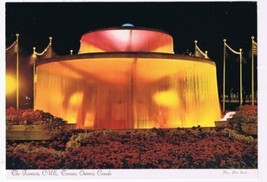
x=129, y=90
x=155, y=93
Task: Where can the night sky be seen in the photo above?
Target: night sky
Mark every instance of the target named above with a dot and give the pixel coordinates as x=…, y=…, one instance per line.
x=207, y=22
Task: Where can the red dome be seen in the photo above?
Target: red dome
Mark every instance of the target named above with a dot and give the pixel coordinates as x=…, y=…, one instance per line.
x=126, y=40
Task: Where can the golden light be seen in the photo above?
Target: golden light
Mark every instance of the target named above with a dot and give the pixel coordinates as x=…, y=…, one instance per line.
x=129, y=78
x=33, y=58
x=166, y=98
x=10, y=84
x=76, y=99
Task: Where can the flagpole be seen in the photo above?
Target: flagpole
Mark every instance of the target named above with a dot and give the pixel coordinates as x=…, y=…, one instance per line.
x=17, y=72
x=224, y=51
x=34, y=76
x=240, y=77
x=195, y=46
x=50, y=40
x=252, y=70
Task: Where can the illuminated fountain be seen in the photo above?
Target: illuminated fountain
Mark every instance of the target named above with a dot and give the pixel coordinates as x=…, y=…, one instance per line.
x=125, y=78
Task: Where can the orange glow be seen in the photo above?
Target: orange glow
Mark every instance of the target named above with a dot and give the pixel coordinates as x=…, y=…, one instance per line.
x=76, y=99
x=129, y=93
x=129, y=89
x=166, y=98
x=10, y=84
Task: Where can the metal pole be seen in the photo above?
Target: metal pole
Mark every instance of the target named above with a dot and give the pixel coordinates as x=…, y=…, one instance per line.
x=240, y=77
x=252, y=70
x=17, y=73
x=195, y=47
x=50, y=40
x=224, y=51
x=34, y=76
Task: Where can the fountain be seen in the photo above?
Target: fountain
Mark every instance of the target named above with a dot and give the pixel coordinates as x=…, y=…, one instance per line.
x=129, y=78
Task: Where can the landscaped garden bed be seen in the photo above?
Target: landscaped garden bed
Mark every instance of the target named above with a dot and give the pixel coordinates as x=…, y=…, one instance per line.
x=137, y=149
x=178, y=148
x=33, y=125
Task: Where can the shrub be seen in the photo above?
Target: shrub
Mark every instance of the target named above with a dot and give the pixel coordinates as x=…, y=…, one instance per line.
x=244, y=115
x=202, y=148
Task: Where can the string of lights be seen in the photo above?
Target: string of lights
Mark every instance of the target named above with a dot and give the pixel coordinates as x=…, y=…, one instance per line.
x=46, y=49
x=12, y=45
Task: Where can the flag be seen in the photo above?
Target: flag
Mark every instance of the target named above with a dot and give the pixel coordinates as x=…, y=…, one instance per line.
x=254, y=50
x=12, y=49
x=12, y=63
x=32, y=58
x=240, y=71
x=254, y=47
x=199, y=53
x=13, y=46
x=229, y=56
x=48, y=52
x=11, y=57
x=244, y=60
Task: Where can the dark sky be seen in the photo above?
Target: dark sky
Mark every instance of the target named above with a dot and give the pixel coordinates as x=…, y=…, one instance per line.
x=66, y=22
x=208, y=22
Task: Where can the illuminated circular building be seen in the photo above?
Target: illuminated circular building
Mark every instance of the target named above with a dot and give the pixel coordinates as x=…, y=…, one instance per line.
x=129, y=78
